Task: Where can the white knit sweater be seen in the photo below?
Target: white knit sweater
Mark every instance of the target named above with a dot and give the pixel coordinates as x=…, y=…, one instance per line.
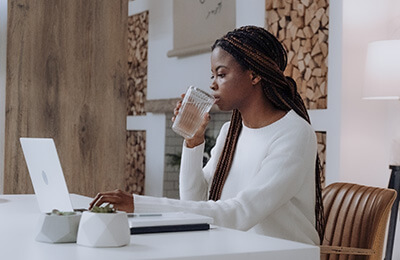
x=270, y=189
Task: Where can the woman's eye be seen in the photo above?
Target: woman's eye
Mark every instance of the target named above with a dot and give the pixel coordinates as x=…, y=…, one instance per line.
x=220, y=75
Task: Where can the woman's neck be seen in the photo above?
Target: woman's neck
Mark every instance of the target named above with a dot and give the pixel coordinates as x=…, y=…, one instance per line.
x=261, y=121
x=259, y=112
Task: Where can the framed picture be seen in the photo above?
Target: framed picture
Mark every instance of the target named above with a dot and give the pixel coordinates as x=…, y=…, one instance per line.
x=198, y=23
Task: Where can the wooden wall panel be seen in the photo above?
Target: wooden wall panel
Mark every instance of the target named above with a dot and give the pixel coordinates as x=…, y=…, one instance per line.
x=66, y=79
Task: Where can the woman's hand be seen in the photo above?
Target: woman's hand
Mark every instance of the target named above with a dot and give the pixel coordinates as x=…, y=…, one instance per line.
x=121, y=200
x=198, y=137
x=177, y=107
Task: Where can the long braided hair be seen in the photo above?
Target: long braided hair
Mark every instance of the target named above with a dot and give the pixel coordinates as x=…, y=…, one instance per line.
x=255, y=49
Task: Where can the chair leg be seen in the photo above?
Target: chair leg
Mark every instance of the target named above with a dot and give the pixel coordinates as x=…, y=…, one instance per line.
x=394, y=183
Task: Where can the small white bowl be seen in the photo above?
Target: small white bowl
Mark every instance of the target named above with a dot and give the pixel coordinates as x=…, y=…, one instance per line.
x=58, y=229
x=103, y=229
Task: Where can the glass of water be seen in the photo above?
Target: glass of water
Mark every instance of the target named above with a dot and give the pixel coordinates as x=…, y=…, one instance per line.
x=195, y=105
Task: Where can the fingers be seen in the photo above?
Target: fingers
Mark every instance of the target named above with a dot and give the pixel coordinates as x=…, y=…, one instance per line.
x=107, y=199
x=204, y=123
x=96, y=199
x=198, y=138
x=177, y=107
x=104, y=197
x=202, y=129
x=121, y=200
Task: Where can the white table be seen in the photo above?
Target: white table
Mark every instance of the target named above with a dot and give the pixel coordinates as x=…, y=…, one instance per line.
x=19, y=215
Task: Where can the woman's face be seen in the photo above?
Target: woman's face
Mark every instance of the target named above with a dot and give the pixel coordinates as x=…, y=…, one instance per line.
x=231, y=83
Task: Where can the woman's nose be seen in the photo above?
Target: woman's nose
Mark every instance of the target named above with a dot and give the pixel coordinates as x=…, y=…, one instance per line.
x=213, y=86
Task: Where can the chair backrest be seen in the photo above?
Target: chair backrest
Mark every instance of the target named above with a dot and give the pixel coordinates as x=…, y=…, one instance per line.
x=356, y=216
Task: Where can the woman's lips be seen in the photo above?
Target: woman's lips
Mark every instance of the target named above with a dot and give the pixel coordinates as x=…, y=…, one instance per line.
x=216, y=99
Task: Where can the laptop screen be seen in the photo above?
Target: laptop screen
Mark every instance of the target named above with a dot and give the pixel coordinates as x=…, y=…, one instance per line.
x=46, y=174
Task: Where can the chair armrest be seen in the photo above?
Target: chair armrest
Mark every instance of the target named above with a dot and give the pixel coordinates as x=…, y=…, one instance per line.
x=341, y=250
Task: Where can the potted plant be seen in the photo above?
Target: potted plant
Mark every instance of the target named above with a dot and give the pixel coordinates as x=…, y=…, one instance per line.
x=58, y=227
x=103, y=227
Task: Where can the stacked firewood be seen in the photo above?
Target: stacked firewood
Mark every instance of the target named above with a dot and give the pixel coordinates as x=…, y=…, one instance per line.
x=137, y=62
x=137, y=87
x=302, y=26
x=135, y=161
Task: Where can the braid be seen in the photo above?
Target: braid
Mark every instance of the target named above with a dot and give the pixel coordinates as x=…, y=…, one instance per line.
x=225, y=160
x=255, y=49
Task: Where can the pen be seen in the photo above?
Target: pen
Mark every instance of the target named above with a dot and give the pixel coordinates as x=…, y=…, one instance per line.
x=131, y=215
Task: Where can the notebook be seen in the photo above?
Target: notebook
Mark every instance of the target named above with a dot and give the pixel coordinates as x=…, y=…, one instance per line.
x=46, y=174
x=141, y=223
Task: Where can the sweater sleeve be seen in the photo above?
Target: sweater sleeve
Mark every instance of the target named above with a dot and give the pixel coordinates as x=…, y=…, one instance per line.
x=289, y=162
x=194, y=181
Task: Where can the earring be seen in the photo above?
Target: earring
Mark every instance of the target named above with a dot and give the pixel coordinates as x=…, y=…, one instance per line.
x=255, y=79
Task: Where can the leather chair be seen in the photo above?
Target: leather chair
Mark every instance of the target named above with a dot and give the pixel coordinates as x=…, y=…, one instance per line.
x=356, y=220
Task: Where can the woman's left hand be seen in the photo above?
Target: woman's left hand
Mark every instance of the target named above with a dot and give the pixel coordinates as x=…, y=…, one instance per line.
x=198, y=137
x=121, y=200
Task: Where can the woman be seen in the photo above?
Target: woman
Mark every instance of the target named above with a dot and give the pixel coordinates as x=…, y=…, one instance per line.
x=262, y=174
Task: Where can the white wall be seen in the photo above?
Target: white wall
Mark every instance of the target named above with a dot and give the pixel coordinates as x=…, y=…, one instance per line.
x=168, y=77
x=368, y=126
x=154, y=125
x=3, y=51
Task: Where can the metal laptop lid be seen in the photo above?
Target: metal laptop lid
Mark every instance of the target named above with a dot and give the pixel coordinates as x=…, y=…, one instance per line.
x=46, y=174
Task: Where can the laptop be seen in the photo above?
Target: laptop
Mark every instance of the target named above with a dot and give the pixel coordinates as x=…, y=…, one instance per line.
x=46, y=174
x=52, y=193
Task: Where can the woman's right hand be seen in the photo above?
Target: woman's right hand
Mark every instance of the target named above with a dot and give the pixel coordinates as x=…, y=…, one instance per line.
x=121, y=200
x=198, y=137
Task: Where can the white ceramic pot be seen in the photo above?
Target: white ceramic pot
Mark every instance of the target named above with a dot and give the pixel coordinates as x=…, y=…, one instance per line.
x=103, y=229
x=58, y=229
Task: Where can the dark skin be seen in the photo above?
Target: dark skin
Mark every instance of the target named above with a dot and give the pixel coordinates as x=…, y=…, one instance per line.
x=121, y=200
x=233, y=88
x=237, y=88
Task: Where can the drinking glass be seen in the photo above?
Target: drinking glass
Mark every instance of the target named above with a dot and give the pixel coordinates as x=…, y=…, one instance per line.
x=195, y=105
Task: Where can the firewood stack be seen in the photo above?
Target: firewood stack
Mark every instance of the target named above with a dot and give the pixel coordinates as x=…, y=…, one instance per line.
x=137, y=63
x=302, y=26
x=135, y=162
x=137, y=88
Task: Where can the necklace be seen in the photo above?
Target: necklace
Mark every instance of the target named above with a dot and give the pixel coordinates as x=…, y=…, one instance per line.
x=272, y=119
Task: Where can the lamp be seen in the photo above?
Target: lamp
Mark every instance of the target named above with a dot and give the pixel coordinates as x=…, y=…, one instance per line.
x=382, y=82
